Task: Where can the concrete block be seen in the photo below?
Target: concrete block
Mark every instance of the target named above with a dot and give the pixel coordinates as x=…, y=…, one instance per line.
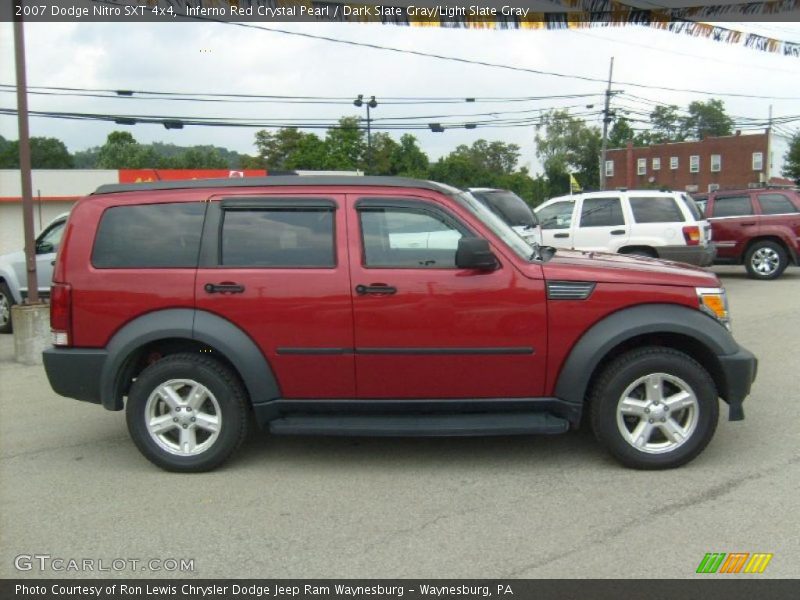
x=31, y=323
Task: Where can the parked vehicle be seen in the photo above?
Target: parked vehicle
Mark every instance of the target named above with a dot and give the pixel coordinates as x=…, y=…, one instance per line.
x=196, y=305
x=759, y=228
x=13, y=274
x=513, y=210
x=664, y=225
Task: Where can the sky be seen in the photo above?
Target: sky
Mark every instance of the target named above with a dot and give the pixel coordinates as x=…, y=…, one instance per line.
x=223, y=58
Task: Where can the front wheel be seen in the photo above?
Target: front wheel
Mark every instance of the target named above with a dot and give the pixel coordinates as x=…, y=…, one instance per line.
x=6, y=302
x=654, y=408
x=766, y=260
x=187, y=413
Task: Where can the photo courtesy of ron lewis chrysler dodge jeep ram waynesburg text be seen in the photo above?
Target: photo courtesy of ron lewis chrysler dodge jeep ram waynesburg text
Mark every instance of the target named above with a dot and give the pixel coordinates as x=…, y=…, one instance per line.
x=201, y=306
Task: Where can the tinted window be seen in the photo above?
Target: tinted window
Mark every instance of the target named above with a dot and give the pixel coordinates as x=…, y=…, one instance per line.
x=281, y=237
x=601, y=212
x=733, y=206
x=775, y=204
x=509, y=207
x=149, y=236
x=662, y=209
x=695, y=206
x=407, y=238
x=557, y=215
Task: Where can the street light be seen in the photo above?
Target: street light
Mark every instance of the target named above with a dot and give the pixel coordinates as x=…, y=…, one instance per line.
x=371, y=103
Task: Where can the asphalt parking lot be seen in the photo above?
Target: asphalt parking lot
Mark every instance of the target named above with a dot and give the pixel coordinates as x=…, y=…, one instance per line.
x=73, y=486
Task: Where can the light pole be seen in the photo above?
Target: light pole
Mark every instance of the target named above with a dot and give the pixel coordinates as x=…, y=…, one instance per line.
x=371, y=103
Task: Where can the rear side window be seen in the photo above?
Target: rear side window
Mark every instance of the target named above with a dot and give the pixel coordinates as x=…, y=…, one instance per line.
x=733, y=206
x=149, y=236
x=661, y=209
x=601, y=212
x=280, y=237
x=775, y=204
x=696, y=207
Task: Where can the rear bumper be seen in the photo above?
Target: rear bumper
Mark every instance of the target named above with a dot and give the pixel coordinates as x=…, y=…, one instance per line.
x=701, y=256
x=740, y=372
x=75, y=372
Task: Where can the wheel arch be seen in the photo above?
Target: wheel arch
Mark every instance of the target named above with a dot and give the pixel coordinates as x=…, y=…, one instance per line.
x=170, y=331
x=667, y=325
x=772, y=237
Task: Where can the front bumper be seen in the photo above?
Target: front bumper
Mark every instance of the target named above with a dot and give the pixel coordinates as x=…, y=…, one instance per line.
x=739, y=372
x=75, y=372
x=702, y=256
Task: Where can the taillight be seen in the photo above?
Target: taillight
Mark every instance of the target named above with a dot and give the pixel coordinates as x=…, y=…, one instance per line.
x=61, y=314
x=691, y=233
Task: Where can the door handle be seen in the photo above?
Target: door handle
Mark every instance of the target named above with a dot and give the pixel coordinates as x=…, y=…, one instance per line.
x=748, y=224
x=223, y=288
x=561, y=235
x=375, y=288
x=618, y=232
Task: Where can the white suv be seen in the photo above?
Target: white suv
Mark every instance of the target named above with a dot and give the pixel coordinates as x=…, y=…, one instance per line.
x=664, y=225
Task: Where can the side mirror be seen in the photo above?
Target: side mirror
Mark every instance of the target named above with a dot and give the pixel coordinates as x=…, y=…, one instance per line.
x=474, y=253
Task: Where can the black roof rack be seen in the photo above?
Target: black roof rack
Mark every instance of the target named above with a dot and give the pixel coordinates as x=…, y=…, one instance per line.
x=276, y=181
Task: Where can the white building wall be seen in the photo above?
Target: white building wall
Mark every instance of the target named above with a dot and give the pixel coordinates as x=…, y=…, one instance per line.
x=54, y=192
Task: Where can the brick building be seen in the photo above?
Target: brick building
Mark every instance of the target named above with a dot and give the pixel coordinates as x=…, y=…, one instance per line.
x=729, y=162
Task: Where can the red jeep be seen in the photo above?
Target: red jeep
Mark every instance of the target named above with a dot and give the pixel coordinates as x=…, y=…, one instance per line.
x=375, y=306
x=758, y=227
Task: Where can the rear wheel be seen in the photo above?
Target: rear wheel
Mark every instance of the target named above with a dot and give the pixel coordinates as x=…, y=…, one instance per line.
x=654, y=408
x=765, y=260
x=6, y=302
x=187, y=413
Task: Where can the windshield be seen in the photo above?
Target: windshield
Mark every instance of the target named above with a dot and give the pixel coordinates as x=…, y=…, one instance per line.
x=509, y=207
x=498, y=226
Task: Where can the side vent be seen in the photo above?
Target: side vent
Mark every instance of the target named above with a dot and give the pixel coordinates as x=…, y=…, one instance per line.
x=569, y=290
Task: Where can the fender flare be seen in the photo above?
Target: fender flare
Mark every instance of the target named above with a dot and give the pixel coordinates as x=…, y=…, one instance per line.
x=602, y=337
x=186, y=323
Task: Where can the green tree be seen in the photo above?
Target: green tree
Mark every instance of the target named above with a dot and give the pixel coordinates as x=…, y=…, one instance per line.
x=384, y=149
x=707, y=119
x=122, y=151
x=46, y=153
x=667, y=125
x=276, y=148
x=567, y=145
x=199, y=157
x=621, y=133
x=408, y=159
x=791, y=166
x=346, y=145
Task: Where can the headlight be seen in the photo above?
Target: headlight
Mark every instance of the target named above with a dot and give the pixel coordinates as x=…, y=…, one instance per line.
x=714, y=302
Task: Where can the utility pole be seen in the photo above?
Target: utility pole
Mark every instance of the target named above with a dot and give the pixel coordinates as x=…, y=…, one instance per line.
x=371, y=103
x=769, y=147
x=25, y=162
x=606, y=120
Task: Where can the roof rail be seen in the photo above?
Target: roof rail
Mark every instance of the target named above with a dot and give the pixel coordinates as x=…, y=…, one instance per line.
x=276, y=181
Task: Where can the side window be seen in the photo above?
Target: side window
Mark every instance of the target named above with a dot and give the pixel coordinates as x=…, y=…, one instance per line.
x=556, y=216
x=290, y=237
x=395, y=237
x=661, y=209
x=50, y=239
x=601, y=212
x=776, y=204
x=732, y=206
x=149, y=236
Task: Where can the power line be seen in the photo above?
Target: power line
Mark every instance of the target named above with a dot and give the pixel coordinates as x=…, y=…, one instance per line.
x=462, y=60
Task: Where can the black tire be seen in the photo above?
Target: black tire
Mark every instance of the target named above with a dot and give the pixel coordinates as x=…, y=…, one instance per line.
x=765, y=260
x=6, y=302
x=224, y=402
x=676, y=370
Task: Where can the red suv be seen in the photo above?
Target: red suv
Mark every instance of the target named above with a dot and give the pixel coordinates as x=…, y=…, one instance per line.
x=758, y=227
x=375, y=306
